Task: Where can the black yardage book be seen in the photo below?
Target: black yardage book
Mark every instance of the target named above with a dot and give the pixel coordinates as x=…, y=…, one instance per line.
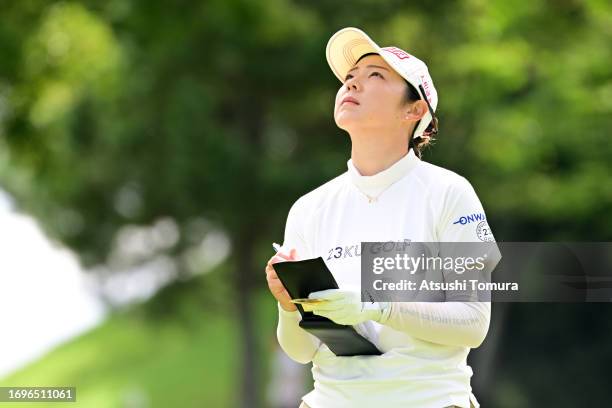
x=301, y=278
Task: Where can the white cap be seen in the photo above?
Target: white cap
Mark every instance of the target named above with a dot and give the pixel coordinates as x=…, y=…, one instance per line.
x=349, y=44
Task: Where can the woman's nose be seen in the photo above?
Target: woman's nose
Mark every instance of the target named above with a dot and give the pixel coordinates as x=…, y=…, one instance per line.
x=352, y=83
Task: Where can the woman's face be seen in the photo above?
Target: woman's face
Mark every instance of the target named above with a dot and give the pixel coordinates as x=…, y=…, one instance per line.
x=372, y=97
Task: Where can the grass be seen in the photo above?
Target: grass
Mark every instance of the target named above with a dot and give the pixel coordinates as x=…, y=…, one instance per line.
x=131, y=361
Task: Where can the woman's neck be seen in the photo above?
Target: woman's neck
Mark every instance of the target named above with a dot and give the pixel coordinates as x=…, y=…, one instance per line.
x=373, y=154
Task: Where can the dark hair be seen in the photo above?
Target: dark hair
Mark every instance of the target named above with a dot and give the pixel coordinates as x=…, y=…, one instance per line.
x=411, y=95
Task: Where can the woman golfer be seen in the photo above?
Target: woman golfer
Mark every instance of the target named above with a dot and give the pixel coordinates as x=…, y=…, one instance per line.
x=387, y=105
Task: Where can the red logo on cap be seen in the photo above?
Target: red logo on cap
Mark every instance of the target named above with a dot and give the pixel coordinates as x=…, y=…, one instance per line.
x=426, y=87
x=401, y=54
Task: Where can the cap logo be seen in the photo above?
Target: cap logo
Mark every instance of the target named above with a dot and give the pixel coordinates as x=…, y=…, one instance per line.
x=426, y=87
x=401, y=54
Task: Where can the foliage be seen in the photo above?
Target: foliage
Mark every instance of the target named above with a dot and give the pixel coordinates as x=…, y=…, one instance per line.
x=126, y=112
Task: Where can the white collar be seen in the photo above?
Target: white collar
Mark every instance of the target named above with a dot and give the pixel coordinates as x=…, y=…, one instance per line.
x=373, y=186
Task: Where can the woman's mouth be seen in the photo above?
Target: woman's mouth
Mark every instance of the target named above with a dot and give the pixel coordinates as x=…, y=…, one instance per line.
x=349, y=99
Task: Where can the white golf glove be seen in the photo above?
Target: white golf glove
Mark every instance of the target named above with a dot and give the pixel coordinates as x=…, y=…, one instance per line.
x=345, y=306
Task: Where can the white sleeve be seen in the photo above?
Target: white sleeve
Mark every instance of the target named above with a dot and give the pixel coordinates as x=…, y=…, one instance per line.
x=462, y=218
x=453, y=323
x=296, y=342
x=462, y=324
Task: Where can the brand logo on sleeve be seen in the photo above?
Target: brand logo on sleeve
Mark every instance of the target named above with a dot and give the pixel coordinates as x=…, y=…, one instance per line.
x=466, y=219
x=484, y=232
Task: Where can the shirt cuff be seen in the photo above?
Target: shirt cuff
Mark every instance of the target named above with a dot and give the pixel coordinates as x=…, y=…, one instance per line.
x=295, y=315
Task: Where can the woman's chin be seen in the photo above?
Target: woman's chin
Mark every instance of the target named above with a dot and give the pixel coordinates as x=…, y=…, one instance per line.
x=346, y=123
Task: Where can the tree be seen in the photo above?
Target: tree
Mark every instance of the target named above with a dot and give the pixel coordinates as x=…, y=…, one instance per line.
x=219, y=114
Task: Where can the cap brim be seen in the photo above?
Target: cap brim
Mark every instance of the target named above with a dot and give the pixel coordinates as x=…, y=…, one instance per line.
x=346, y=47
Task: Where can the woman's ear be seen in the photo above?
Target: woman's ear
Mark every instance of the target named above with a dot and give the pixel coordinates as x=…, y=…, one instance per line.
x=415, y=111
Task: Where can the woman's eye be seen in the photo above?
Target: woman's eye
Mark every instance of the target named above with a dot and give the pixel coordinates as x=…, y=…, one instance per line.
x=349, y=76
x=376, y=73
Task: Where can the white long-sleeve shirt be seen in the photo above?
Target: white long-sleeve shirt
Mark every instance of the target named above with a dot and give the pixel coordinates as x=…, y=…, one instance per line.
x=425, y=344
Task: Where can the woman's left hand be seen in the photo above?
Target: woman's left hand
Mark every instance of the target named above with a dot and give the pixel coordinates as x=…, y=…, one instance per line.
x=345, y=307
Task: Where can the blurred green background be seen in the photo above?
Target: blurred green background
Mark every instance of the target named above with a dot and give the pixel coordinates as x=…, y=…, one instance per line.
x=213, y=117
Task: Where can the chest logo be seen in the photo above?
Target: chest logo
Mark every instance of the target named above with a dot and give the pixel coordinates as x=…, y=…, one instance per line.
x=344, y=252
x=351, y=251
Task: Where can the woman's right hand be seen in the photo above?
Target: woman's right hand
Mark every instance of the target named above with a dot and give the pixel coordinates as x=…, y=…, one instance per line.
x=275, y=285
